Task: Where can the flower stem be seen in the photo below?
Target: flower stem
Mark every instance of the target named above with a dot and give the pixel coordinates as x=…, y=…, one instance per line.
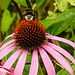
x=72, y=33
x=27, y=63
x=18, y=9
x=0, y=34
x=28, y=4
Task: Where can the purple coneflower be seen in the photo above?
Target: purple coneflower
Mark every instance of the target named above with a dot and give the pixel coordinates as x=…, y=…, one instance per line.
x=30, y=36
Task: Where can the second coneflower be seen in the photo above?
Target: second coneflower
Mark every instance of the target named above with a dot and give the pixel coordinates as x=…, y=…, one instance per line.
x=30, y=36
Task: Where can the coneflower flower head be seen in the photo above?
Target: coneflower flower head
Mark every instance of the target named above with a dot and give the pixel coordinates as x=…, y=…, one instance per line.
x=30, y=34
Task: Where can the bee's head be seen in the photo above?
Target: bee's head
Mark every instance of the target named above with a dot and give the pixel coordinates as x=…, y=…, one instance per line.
x=29, y=14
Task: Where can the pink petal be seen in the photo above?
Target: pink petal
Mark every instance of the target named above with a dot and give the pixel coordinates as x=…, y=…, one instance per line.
x=21, y=63
x=60, y=39
x=59, y=58
x=6, y=44
x=11, y=70
x=3, y=71
x=47, y=62
x=12, y=59
x=34, y=63
x=62, y=51
x=6, y=38
x=7, y=50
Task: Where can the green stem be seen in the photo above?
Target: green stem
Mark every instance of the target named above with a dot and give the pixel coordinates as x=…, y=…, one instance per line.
x=72, y=32
x=28, y=4
x=0, y=34
x=18, y=9
x=0, y=28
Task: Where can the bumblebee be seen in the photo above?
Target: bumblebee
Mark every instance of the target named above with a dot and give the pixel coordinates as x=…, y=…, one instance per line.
x=29, y=14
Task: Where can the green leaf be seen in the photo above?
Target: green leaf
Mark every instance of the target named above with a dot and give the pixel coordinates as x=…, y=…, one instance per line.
x=27, y=66
x=65, y=72
x=72, y=2
x=5, y=4
x=6, y=21
x=22, y=2
x=74, y=54
x=67, y=14
x=39, y=3
x=65, y=20
x=58, y=27
x=40, y=71
x=26, y=70
x=48, y=22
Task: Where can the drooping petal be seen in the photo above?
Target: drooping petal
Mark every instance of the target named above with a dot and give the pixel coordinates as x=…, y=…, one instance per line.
x=7, y=50
x=34, y=63
x=21, y=63
x=59, y=58
x=12, y=59
x=7, y=43
x=47, y=62
x=62, y=51
x=6, y=38
x=3, y=71
x=61, y=39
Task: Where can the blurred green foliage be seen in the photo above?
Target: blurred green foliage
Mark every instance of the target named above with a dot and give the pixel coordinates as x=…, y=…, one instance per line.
x=57, y=16
x=5, y=4
x=65, y=72
x=6, y=20
x=22, y=2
